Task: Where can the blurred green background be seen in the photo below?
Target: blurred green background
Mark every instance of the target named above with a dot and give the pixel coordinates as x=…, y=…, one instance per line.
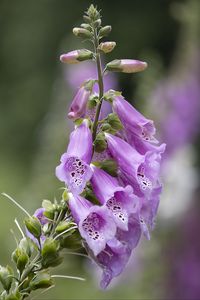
x=34, y=94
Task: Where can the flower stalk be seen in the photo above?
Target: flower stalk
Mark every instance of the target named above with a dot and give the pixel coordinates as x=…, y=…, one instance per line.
x=110, y=173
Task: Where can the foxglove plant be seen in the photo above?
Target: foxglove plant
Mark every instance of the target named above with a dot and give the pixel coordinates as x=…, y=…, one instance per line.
x=110, y=172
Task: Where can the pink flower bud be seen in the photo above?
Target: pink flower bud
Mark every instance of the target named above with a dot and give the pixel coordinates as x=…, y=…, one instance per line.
x=126, y=65
x=79, y=103
x=76, y=56
x=107, y=47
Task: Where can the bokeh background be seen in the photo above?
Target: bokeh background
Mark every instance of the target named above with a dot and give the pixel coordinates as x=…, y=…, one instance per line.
x=35, y=91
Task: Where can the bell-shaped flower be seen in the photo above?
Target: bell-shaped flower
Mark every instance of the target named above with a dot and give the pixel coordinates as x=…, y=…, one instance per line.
x=143, y=146
x=140, y=171
x=132, y=120
x=114, y=257
x=74, y=169
x=112, y=260
x=95, y=223
x=120, y=200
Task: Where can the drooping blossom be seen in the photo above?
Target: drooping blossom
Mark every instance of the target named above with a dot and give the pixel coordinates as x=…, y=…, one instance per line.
x=95, y=222
x=132, y=120
x=74, y=169
x=120, y=200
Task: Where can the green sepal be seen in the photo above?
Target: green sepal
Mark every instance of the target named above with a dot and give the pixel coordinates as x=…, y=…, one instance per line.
x=84, y=54
x=42, y=280
x=34, y=227
x=92, y=102
x=50, y=252
x=62, y=226
x=89, y=195
x=71, y=242
x=100, y=143
x=78, y=122
x=114, y=121
x=16, y=295
x=114, y=66
x=26, y=245
x=108, y=165
x=6, y=277
x=21, y=258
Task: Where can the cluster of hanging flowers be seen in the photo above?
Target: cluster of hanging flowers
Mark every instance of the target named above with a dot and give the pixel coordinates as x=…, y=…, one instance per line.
x=111, y=175
x=111, y=165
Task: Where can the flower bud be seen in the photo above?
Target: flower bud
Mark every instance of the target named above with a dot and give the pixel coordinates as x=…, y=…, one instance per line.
x=76, y=56
x=34, y=226
x=104, y=31
x=42, y=280
x=20, y=257
x=50, y=253
x=82, y=32
x=107, y=47
x=62, y=226
x=126, y=65
x=86, y=26
x=6, y=277
x=26, y=246
x=97, y=23
x=114, y=121
x=16, y=295
x=79, y=103
x=100, y=143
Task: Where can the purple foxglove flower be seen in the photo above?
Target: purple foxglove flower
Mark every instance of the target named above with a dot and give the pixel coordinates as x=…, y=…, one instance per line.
x=39, y=214
x=74, y=169
x=149, y=207
x=76, y=56
x=120, y=200
x=130, y=237
x=112, y=260
x=126, y=65
x=95, y=223
x=132, y=120
x=143, y=146
x=78, y=107
x=140, y=171
x=117, y=252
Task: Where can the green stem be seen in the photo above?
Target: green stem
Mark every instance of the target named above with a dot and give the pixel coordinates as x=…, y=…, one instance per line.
x=100, y=82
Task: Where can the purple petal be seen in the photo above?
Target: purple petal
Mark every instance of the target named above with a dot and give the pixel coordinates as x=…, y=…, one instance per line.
x=113, y=261
x=78, y=107
x=120, y=200
x=131, y=237
x=95, y=223
x=132, y=120
x=74, y=172
x=80, y=144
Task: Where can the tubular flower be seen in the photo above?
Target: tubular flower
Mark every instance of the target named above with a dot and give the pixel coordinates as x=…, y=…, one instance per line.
x=119, y=200
x=132, y=120
x=74, y=169
x=95, y=223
